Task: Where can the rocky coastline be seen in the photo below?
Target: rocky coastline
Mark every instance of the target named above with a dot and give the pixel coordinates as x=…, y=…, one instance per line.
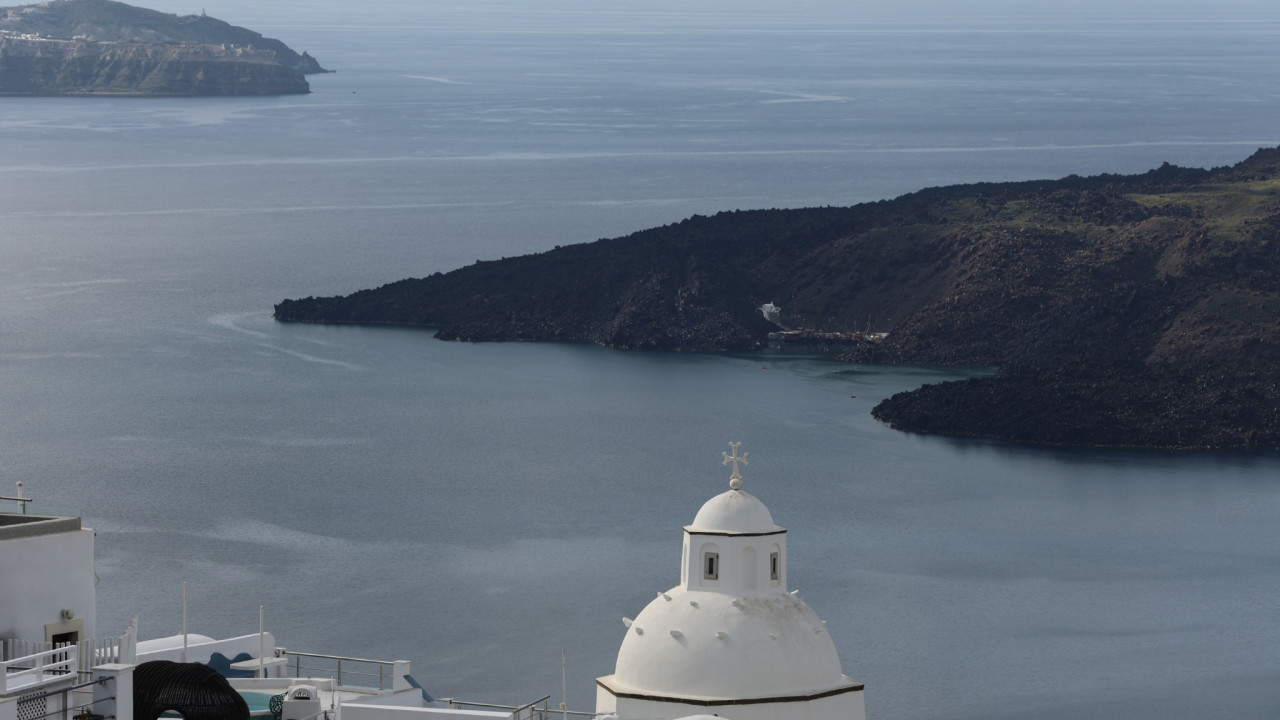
x=101, y=47
x=1122, y=311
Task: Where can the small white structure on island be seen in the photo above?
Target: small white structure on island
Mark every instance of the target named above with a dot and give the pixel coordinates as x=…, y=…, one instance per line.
x=729, y=640
x=772, y=313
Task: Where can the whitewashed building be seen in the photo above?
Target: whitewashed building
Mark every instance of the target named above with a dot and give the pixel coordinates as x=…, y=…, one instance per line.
x=46, y=579
x=729, y=640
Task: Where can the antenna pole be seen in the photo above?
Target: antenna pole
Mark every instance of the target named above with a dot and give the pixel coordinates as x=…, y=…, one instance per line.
x=184, y=622
x=262, y=643
x=564, y=687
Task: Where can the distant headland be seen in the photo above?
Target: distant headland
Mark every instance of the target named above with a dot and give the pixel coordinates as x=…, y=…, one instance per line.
x=100, y=47
x=1135, y=311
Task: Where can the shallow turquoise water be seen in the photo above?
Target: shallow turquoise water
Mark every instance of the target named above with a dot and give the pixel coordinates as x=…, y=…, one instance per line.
x=258, y=702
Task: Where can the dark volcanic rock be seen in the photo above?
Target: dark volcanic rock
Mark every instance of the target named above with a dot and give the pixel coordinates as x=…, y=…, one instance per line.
x=695, y=285
x=1098, y=405
x=1161, y=330
x=1135, y=310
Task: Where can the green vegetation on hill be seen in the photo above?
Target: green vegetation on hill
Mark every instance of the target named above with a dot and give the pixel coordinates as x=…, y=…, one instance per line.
x=1122, y=310
x=104, y=47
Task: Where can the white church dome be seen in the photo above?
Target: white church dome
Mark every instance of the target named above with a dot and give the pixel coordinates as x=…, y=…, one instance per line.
x=712, y=645
x=733, y=511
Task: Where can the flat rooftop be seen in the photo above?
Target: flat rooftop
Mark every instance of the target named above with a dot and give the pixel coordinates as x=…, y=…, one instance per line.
x=17, y=525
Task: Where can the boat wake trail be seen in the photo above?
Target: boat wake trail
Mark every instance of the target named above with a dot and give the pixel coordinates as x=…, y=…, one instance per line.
x=232, y=322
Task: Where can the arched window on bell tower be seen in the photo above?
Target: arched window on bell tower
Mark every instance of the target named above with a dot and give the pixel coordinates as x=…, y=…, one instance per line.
x=710, y=564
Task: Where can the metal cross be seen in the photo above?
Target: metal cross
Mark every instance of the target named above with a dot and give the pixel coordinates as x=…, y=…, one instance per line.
x=735, y=480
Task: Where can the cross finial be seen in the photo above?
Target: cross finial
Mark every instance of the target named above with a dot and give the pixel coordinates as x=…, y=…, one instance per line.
x=735, y=480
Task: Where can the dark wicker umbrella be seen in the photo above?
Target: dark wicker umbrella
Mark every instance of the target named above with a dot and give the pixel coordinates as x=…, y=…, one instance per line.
x=194, y=691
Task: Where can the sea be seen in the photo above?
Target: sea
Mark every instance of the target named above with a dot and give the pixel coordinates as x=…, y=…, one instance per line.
x=478, y=509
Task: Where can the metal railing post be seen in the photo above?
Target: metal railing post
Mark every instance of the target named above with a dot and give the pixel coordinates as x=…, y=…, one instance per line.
x=337, y=668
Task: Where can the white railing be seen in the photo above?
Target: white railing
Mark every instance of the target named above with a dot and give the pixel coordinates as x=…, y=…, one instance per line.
x=11, y=648
x=100, y=651
x=91, y=653
x=38, y=669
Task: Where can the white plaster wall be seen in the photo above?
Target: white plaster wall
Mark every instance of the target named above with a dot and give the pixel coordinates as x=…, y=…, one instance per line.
x=734, y=551
x=201, y=652
x=42, y=575
x=605, y=702
x=405, y=698
x=113, y=695
x=848, y=706
x=750, y=564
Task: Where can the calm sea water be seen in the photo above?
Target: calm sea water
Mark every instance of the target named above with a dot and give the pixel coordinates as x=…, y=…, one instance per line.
x=478, y=508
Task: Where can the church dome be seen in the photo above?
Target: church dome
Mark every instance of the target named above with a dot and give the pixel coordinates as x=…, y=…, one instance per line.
x=707, y=645
x=730, y=634
x=735, y=512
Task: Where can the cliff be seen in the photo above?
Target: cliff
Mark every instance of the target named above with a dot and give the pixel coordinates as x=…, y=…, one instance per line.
x=694, y=285
x=66, y=68
x=1122, y=310
x=103, y=47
